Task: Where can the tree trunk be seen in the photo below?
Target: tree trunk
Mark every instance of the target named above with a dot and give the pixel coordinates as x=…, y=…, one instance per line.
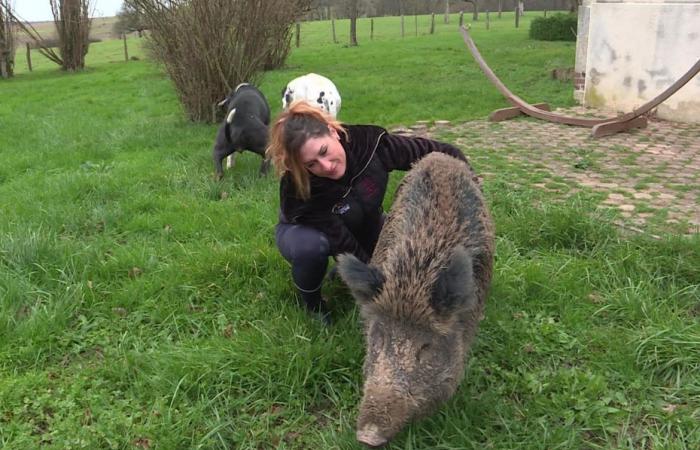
x=353, y=22
x=73, y=29
x=353, y=31
x=335, y=40
x=7, y=41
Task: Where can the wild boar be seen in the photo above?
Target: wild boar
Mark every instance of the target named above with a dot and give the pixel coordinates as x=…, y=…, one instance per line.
x=422, y=295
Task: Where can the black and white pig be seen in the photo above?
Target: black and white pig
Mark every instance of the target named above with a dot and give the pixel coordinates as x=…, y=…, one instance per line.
x=244, y=128
x=316, y=89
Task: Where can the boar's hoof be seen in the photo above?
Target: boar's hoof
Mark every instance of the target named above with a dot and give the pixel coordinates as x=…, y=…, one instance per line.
x=370, y=436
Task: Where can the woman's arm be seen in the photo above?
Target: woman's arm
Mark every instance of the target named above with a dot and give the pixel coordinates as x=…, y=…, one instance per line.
x=400, y=152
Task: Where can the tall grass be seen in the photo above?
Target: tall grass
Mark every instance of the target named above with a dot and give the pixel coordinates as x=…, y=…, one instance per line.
x=144, y=305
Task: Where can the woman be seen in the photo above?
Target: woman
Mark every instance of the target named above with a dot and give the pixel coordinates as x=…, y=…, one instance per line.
x=333, y=181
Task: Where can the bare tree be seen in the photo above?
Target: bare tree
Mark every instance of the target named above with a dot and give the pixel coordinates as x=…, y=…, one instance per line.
x=7, y=41
x=128, y=19
x=475, y=9
x=353, y=11
x=72, y=20
x=210, y=46
x=43, y=45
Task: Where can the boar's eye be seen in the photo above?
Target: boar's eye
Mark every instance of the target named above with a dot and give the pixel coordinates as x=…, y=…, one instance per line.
x=424, y=353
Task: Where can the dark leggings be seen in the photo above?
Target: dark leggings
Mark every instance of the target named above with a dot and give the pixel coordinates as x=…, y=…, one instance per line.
x=307, y=250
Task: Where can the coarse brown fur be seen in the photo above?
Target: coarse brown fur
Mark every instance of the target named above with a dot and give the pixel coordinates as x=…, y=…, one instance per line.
x=422, y=295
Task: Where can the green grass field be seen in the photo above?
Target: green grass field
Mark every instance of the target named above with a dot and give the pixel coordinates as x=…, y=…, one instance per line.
x=145, y=305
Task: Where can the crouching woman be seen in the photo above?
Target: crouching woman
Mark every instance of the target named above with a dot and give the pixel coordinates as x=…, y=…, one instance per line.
x=333, y=180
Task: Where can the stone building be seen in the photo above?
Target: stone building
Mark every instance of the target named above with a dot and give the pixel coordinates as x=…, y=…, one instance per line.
x=629, y=51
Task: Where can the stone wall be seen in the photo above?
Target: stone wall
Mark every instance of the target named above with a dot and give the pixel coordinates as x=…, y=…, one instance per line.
x=630, y=51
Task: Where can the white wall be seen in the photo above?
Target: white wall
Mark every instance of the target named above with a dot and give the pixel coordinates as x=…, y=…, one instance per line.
x=635, y=50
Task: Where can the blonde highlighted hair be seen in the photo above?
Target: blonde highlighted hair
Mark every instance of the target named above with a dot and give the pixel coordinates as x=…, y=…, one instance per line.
x=288, y=134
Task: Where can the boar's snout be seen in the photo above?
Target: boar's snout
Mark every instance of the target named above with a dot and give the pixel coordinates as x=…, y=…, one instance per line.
x=371, y=436
x=384, y=410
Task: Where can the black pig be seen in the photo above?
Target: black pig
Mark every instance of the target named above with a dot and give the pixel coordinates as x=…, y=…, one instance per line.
x=244, y=128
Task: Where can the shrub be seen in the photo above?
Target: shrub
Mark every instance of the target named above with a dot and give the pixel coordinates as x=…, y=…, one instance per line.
x=557, y=27
x=209, y=46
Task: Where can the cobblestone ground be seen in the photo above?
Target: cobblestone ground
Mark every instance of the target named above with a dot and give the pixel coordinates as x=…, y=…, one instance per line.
x=651, y=175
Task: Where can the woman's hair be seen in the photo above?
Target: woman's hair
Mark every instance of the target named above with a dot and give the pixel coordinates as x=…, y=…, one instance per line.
x=289, y=133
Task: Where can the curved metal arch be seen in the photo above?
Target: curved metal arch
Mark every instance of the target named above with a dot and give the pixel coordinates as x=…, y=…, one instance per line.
x=601, y=126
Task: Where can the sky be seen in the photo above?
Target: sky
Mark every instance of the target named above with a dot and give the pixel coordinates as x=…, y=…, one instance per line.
x=40, y=10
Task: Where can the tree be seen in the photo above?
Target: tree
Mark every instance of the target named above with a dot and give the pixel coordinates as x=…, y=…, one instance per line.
x=208, y=47
x=43, y=46
x=129, y=19
x=353, y=13
x=573, y=6
x=72, y=20
x=7, y=41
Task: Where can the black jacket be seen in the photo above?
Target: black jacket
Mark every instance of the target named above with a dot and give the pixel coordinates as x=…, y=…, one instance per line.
x=345, y=209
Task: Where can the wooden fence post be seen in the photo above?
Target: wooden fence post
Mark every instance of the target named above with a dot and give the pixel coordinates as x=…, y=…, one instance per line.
x=432, y=23
x=461, y=18
x=447, y=11
x=29, y=57
x=545, y=13
x=371, y=28
x=416, y=21
x=126, y=51
x=517, y=16
x=298, y=33
x=488, y=20
x=500, y=8
x=402, y=27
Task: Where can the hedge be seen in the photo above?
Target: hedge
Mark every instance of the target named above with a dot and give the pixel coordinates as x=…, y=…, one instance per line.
x=557, y=27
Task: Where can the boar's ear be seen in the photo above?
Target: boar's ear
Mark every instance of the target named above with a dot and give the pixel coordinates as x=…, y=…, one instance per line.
x=364, y=280
x=454, y=289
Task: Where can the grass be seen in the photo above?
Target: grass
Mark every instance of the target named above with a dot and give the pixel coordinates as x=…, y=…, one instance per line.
x=144, y=305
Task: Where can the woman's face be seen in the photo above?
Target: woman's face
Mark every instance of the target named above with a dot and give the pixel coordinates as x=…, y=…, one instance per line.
x=323, y=156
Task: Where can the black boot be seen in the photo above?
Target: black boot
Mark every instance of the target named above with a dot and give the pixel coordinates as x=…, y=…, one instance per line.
x=317, y=307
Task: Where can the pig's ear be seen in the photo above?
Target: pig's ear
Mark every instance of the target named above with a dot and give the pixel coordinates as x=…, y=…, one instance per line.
x=231, y=113
x=454, y=289
x=364, y=280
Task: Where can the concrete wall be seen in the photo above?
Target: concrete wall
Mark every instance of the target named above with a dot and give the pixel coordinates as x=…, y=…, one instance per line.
x=634, y=50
